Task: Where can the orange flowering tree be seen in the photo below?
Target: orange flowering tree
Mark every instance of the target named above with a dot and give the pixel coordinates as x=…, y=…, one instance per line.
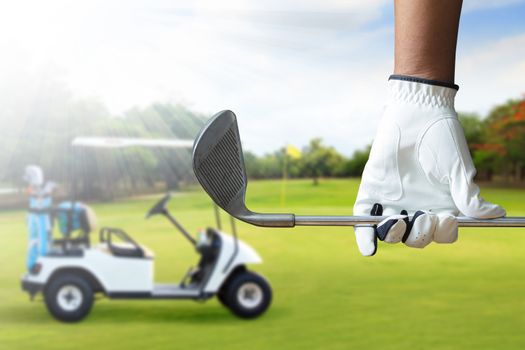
x=500, y=145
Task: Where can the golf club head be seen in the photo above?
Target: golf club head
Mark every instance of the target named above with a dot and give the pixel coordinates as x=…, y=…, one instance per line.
x=218, y=164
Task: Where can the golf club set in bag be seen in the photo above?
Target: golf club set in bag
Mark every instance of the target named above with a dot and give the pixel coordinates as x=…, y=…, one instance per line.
x=219, y=167
x=42, y=216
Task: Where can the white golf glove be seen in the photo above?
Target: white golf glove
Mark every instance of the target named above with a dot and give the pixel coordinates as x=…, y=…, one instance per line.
x=419, y=162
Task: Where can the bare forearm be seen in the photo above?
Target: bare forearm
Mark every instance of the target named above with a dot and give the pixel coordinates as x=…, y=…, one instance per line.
x=425, y=38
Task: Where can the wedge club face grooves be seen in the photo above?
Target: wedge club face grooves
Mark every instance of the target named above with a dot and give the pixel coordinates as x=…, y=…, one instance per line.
x=218, y=161
x=218, y=164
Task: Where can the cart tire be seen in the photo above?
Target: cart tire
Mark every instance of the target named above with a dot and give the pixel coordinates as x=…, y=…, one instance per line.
x=222, y=299
x=69, y=297
x=247, y=295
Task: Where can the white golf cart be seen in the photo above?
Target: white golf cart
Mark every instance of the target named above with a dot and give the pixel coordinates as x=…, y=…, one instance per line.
x=74, y=269
x=120, y=268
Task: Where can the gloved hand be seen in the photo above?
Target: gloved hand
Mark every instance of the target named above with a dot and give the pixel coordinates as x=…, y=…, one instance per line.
x=419, y=162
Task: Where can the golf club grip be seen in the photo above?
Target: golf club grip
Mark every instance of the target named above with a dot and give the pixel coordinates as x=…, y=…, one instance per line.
x=463, y=221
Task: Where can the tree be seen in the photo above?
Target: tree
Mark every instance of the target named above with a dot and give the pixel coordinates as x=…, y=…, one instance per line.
x=473, y=127
x=319, y=160
x=356, y=164
x=40, y=132
x=504, y=140
x=484, y=155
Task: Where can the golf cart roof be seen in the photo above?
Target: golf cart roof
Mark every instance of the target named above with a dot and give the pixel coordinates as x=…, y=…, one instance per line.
x=121, y=142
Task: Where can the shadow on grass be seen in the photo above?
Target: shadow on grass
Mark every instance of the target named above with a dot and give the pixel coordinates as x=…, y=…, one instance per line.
x=128, y=312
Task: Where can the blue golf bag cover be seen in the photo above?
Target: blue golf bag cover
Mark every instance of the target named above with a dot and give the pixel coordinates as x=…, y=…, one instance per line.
x=73, y=216
x=39, y=225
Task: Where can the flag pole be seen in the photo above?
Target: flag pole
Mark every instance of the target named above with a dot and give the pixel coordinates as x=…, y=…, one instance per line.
x=285, y=176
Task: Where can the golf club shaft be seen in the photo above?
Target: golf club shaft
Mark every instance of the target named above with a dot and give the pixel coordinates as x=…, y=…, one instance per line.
x=463, y=221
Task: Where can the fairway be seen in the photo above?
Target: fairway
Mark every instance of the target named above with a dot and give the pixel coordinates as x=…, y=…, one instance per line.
x=469, y=295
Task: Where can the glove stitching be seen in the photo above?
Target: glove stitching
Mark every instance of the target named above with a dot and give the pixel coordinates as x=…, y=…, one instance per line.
x=399, y=191
x=463, y=168
x=420, y=141
x=398, y=175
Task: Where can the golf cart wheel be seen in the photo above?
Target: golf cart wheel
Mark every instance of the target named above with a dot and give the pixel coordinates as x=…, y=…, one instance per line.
x=222, y=298
x=69, y=298
x=248, y=295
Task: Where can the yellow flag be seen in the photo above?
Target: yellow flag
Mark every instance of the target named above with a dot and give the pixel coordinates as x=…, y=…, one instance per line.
x=293, y=152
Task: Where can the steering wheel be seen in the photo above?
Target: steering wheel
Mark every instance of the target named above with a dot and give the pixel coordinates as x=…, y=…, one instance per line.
x=160, y=206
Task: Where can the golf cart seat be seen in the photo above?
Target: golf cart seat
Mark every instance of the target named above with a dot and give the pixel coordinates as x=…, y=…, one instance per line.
x=127, y=248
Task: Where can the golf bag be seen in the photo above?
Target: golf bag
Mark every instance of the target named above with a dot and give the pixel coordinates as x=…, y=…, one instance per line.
x=74, y=216
x=40, y=226
x=39, y=214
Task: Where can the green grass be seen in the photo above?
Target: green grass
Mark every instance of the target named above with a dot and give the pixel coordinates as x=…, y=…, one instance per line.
x=469, y=295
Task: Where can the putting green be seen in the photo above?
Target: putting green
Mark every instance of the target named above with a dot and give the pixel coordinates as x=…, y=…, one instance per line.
x=468, y=295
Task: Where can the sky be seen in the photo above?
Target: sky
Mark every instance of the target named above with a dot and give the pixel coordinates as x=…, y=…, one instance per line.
x=290, y=70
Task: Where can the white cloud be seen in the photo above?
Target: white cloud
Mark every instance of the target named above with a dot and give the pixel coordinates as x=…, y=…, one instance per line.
x=492, y=74
x=291, y=70
x=473, y=5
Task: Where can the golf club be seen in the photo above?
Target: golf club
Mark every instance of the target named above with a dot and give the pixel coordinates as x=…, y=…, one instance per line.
x=219, y=167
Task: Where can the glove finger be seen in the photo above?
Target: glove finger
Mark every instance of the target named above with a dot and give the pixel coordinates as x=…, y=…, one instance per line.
x=395, y=235
x=466, y=196
x=392, y=229
x=365, y=237
x=447, y=229
x=477, y=207
x=464, y=191
x=422, y=230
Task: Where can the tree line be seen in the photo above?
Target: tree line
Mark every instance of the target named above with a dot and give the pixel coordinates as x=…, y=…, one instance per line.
x=496, y=143
x=41, y=133
x=317, y=160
